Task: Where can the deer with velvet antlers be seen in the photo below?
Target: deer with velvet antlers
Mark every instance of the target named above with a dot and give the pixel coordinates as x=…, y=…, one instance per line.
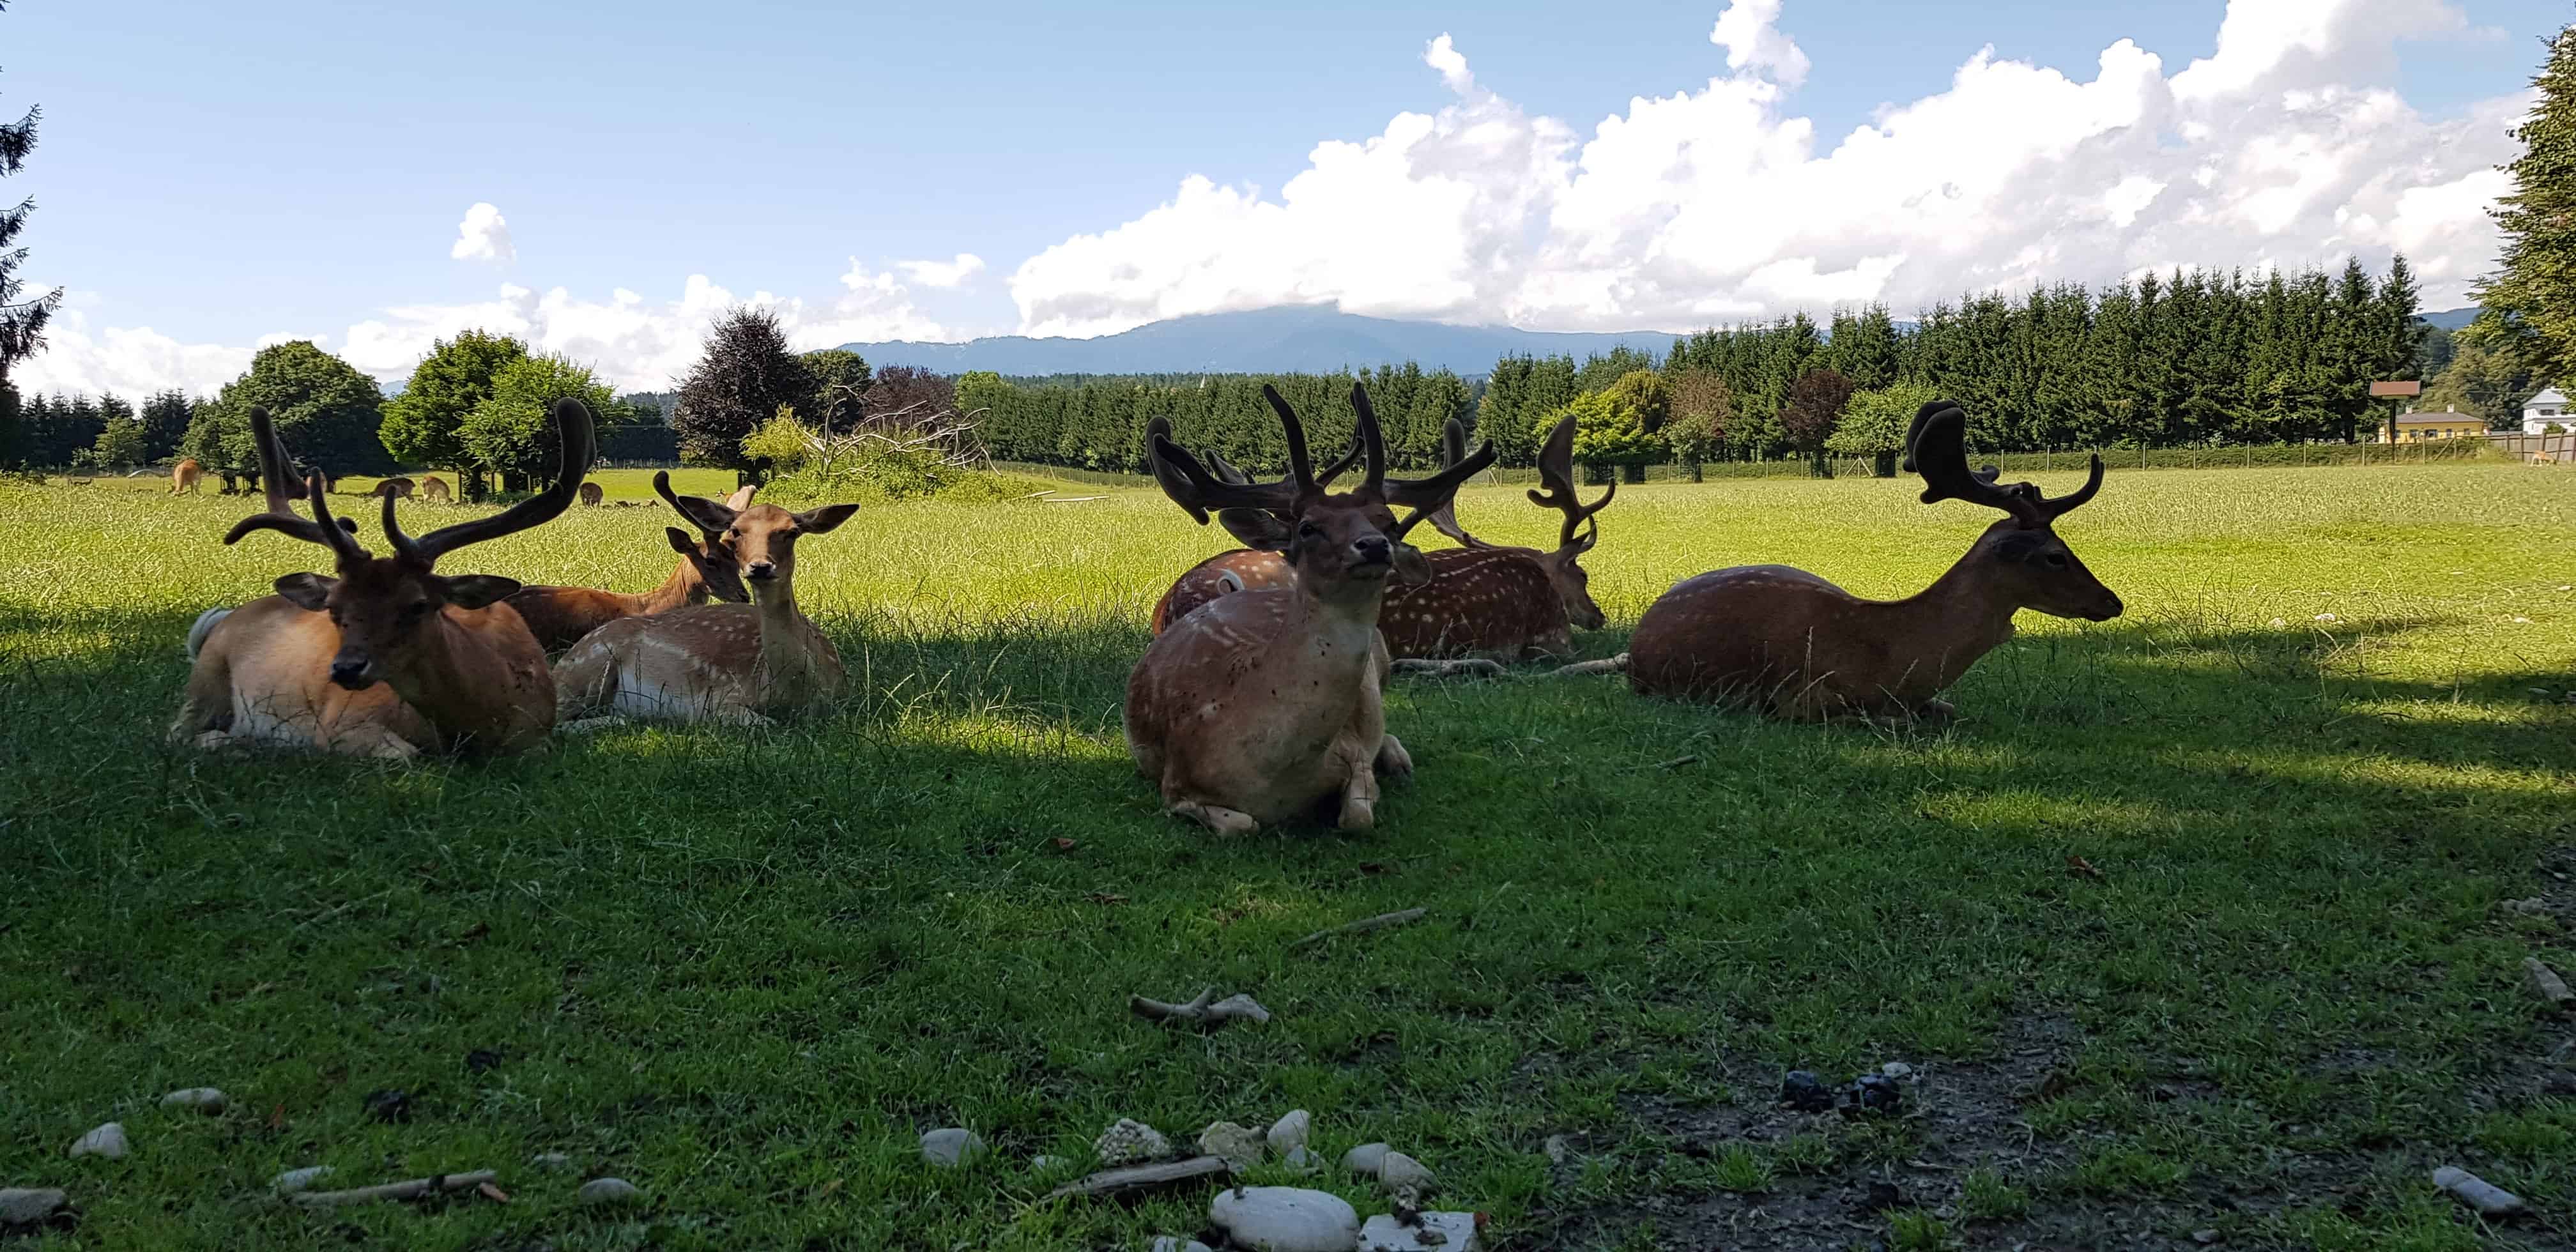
x=387, y=657
x=1792, y=644
x=742, y=664
x=560, y=616
x=1482, y=599
x=1264, y=705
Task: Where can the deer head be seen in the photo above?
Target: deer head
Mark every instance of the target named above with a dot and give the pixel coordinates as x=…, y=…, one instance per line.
x=1342, y=546
x=710, y=556
x=2023, y=557
x=761, y=537
x=384, y=605
x=1579, y=531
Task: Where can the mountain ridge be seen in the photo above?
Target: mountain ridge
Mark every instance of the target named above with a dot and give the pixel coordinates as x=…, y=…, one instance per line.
x=1283, y=340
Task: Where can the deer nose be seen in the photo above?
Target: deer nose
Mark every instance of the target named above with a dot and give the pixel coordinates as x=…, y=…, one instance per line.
x=349, y=671
x=760, y=569
x=1373, y=549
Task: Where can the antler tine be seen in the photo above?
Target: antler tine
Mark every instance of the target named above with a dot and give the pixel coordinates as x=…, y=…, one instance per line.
x=573, y=425
x=1301, y=468
x=720, y=515
x=1453, y=449
x=1341, y=466
x=1427, y=496
x=275, y=471
x=1372, y=440
x=1939, y=453
x=2063, y=505
x=1198, y=492
x=1556, y=477
x=1226, y=471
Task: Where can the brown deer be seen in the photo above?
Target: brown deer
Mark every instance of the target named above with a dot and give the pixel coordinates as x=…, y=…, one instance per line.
x=1793, y=644
x=1505, y=603
x=389, y=658
x=590, y=495
x=742, y=664
x=391, y=489
x=186, y=476
x=560, y=616
x=1264, y=705
x=435, y=490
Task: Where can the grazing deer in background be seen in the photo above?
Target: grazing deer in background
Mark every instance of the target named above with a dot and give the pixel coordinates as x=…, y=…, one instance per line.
x=390, y=489
x=435, y=490
x=186, y=476
x=590, y=495
x=1793, y=644
x=389, y=658
x=743, y=664
x=1264, y=704
x=560, y=616
x=1509, y=604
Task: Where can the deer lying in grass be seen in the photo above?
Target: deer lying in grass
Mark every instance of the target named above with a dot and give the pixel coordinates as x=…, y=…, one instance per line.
x=743, y=664
x=1263, y=705
x=389, y=658
x=1793, y=644
x=1258, y=564
x=560, y=616
x=1509, y=604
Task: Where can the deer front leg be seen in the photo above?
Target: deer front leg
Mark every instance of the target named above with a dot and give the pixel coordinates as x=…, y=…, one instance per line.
x=1392, y=759
x=1359, y=795
x=207, y=708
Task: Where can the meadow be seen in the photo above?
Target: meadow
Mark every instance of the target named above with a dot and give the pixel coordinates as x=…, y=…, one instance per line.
x=2196, y=924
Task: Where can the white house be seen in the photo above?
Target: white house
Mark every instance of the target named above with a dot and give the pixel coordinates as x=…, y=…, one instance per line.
x=2545, y=410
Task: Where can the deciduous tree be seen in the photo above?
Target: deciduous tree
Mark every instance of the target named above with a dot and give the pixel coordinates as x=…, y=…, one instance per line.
x=744, y=376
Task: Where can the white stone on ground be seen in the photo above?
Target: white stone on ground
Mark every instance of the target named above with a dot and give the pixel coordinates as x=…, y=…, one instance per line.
x=1451, y=1232
x=203, y=1099
x=1288, y=1134
x=1403, y=1175
x=1304, y=1161
x=607, y=1191
x=1285, y=1219
x=107, y=1141
x=950, y=1146
x=295, y=1180
x=1130, y=1142
x=1365, y=1159
x=1239, y=1145
x=25, y=1206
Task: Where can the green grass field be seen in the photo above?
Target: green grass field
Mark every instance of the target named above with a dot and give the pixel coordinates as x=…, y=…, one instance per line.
x=744, y=971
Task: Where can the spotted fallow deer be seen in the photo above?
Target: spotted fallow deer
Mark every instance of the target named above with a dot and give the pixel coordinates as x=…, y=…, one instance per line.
x=1792, y=644
x=1508, y=604
x=1263, y=706
x=1266, y=533
x=186, y=475
x=435, y=490
x=560, y=616
x=389, y=658
x=741, y=664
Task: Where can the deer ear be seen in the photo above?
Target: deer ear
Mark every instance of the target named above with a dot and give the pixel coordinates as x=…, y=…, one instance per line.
x=476, y=591
x=1258, y=529
x=308, y=592
x=824, y=519
x=1411, y=566
x=679, y=541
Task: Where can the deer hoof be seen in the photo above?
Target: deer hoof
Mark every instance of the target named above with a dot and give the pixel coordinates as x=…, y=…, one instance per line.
x=1392, y=759
x=1357, y=814
x=1223, y=821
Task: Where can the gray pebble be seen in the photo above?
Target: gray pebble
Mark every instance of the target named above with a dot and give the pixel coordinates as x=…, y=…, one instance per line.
x=1365, y=1159
x=295, y=1180
x=949, y=1147
x=1169, y=1243
x=205, y=1100
x=1404, y=1176
x=607, y=1191
x=25, y=1206
x=1239, y=1145
x=1130, y=1142
x=1898, y=1070
x=1288, y=1134
x=107, y=1141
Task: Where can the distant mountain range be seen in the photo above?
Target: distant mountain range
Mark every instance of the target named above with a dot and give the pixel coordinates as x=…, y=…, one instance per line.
x=1295, y=339
x=1314, y=339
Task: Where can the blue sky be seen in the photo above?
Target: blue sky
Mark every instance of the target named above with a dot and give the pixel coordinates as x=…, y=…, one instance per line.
x=222, y=173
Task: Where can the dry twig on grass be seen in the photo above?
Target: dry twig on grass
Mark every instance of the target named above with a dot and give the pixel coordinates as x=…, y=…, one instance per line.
x=397, y=1190
x=1380, y=922
x=1199, y=1009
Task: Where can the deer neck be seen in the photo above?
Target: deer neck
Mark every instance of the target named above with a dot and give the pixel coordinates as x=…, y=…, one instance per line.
x=683, y=588
x=788, y=663
x=1962, y=616
x=460, y=684
x=1344, y=613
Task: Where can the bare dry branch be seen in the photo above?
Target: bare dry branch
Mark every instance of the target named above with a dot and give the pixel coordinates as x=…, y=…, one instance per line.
x=397, y=1190
x=1380, y=922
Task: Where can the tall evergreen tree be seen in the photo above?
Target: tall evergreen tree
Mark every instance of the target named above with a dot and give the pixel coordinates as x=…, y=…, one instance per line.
x=22, y=322
x=2532, y=294
x=165, y=420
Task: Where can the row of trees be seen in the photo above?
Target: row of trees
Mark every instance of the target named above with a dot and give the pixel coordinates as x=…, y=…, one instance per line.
x=1099, y=423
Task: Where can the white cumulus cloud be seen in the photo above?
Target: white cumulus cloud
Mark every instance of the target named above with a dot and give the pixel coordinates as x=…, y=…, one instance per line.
x=1721, y=202
x=941, y=273
x=483, y=236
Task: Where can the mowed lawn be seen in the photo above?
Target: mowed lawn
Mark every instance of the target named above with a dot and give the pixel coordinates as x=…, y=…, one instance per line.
x=2196, y=922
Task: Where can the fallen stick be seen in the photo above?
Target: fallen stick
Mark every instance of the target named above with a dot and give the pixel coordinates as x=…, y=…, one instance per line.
x=1614, y=665
x=397, y=1190
x=1474, y=666
x=1199, y=1010
x=1070, y=499
x=1138, y=1177
x=1380, y=922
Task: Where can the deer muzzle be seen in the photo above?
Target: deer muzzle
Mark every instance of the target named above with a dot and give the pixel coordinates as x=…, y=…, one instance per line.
x=353, y=670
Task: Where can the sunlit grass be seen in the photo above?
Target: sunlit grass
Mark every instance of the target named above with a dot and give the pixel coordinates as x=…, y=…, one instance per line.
x=745, y=971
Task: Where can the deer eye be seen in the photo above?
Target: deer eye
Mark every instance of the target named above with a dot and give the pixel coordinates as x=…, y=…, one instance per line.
x=1309, y=529
x=2054, y=560
x=415, y=610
